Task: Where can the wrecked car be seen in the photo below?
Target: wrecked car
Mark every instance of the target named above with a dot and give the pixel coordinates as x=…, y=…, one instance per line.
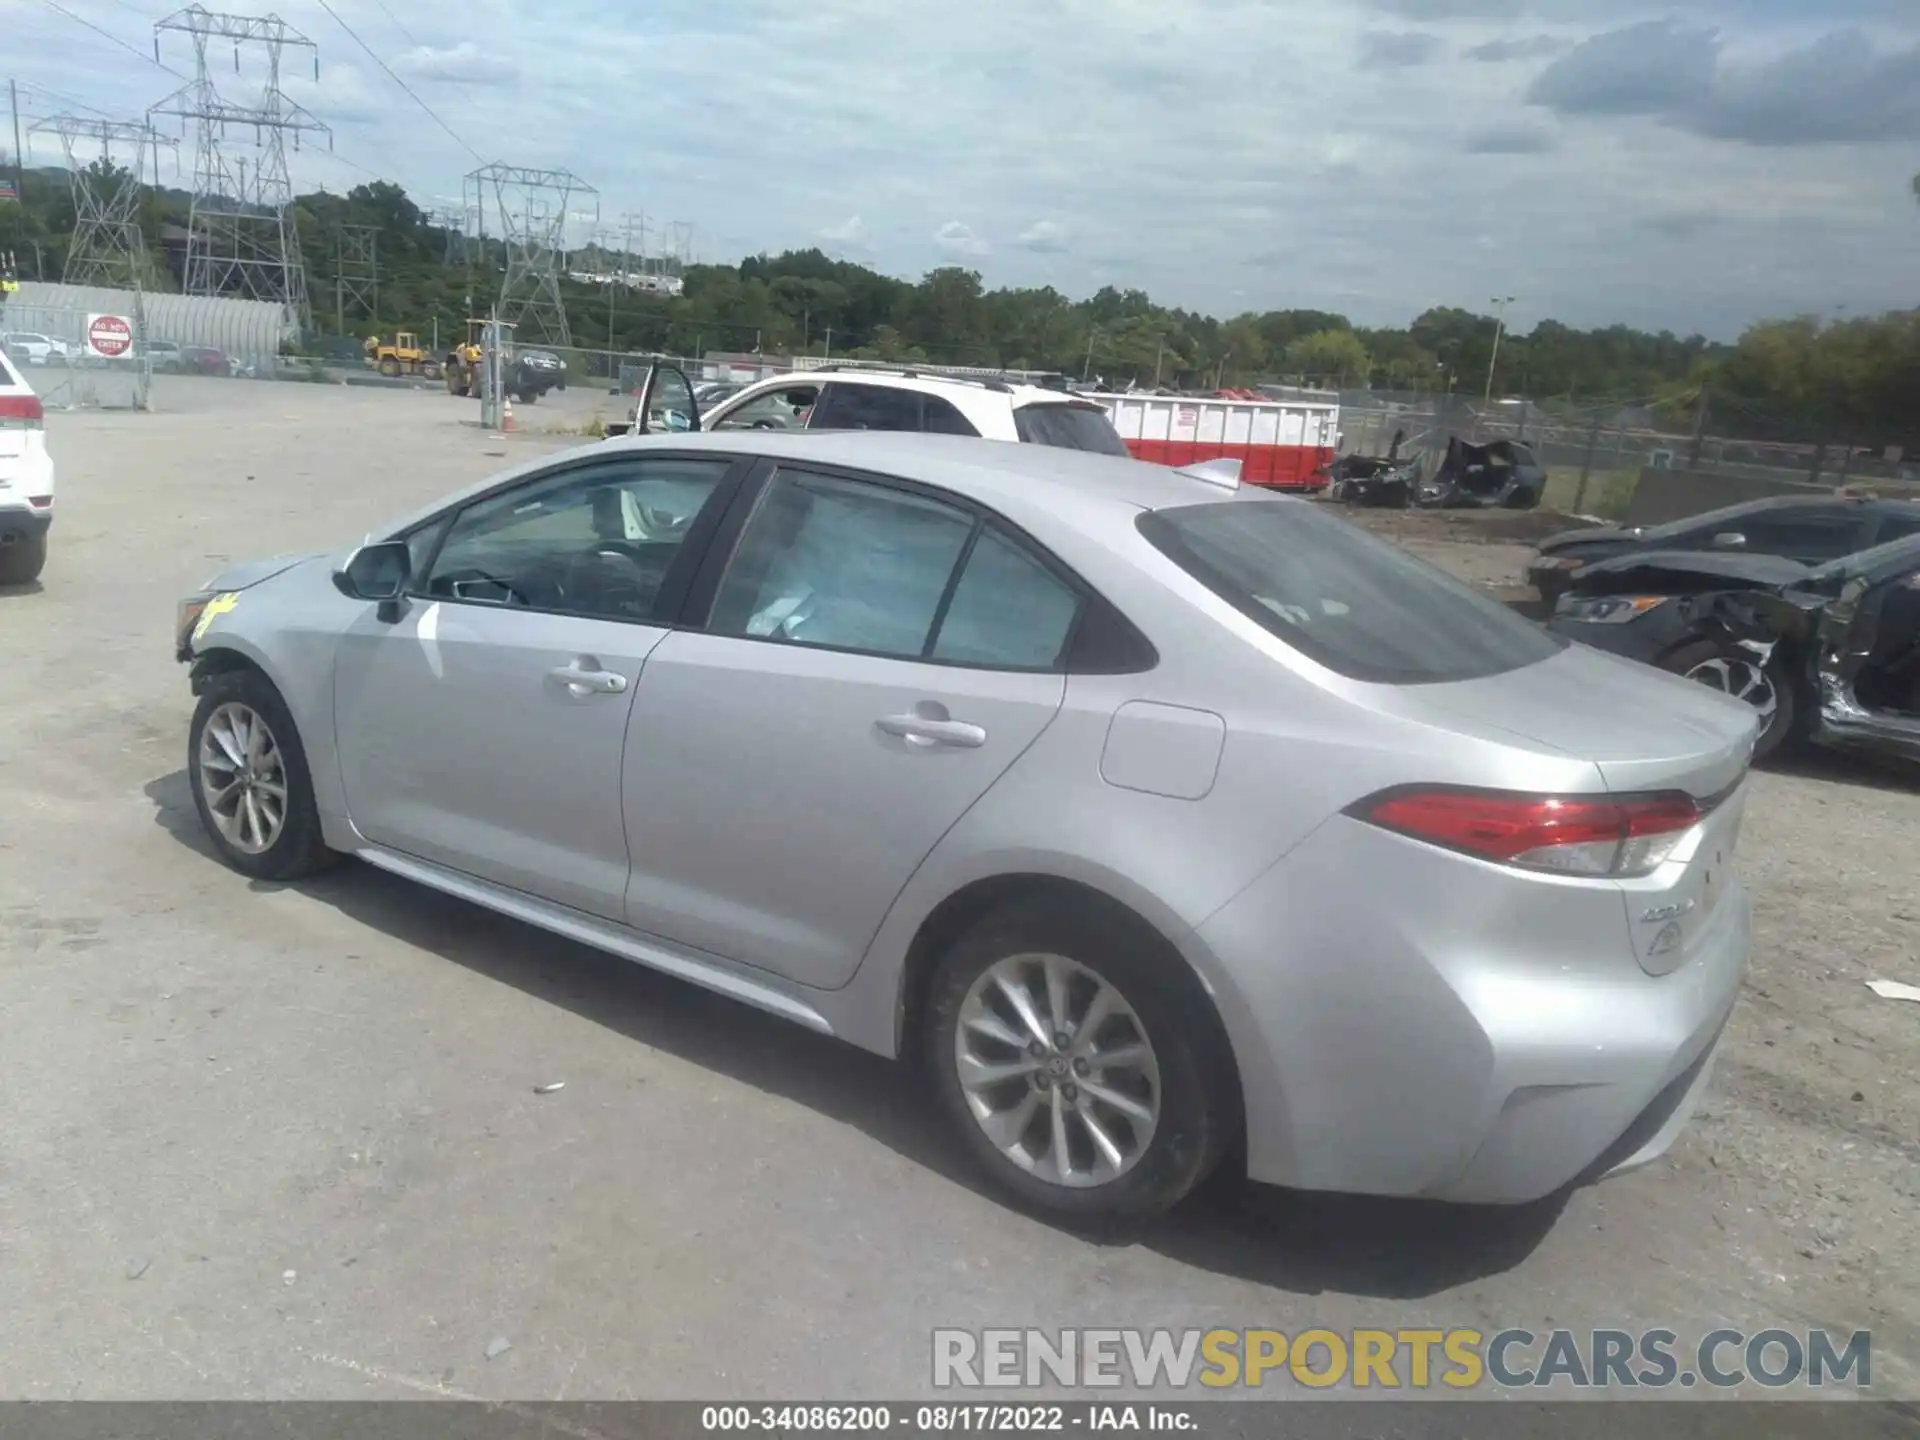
x=1812, y=529
x=1501, y=473
x=1380, y=481
x=1826, y=653
x=1373, y=481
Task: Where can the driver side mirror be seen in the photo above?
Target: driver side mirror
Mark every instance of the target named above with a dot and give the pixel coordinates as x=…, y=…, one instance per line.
x=378, y=571
x=1729, y=540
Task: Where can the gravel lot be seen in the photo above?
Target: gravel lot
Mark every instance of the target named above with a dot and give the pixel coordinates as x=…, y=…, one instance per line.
x=284, y=1142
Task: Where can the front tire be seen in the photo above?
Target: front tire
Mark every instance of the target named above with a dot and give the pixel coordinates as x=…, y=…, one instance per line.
x=1080, y=1062
x=22, y=561
x=1738, y=673
x=248, y=772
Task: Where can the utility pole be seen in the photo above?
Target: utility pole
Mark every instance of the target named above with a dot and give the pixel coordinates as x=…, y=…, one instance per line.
x=19, y=163
x=1499, y=329
x=1086, y=370
x=827, y=354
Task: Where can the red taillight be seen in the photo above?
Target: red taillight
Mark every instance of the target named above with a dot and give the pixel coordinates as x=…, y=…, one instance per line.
x=1568, y=834
x=22, y=409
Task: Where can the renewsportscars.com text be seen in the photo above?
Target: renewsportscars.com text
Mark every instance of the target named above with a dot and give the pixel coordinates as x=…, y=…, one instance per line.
x=1408, y=1359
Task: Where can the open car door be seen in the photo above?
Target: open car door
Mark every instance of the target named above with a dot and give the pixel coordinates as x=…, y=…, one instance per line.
x=1868, y=663
x=666, y=405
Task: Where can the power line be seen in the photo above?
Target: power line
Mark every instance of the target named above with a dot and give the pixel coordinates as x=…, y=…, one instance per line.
x=354, y=36
x=408, y=36
x=59, y=95
x=56, y=6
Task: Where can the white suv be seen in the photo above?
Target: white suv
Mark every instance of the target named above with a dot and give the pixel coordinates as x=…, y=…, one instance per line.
x=33, y=348
x=857, y=398
x=26, y=480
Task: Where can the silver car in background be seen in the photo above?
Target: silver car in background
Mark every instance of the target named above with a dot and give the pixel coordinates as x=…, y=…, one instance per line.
x=1145, y=811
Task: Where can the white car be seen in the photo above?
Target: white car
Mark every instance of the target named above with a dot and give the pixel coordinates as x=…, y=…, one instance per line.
x=859, y=398
x=26, y=479
x=34, y=348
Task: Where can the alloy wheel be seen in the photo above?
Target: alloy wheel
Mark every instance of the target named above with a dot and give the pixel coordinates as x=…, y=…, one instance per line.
x=1742, y=679
x=242, y=778
x=1057, y=1070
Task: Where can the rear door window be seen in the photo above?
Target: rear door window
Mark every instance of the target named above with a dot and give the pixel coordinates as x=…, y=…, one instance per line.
x=867, y=407
x=1068, y=427
x=1009, y=611
x=1810, y=536
x=1361, y=607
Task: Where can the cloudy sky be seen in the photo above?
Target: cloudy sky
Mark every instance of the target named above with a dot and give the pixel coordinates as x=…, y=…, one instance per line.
x=1689, y=166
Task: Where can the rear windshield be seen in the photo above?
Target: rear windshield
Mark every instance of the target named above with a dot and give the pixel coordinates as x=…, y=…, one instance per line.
x=1359, y=606
x=1068, y=427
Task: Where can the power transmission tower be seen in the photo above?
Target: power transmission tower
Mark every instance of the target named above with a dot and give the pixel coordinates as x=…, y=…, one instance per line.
x=533, y=209
x=240, y=232
x=108, y=248
x=356, y=272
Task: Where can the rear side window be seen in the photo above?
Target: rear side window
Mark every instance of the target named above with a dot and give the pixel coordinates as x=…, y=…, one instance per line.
x=1068, y=427
x=1359, y=606
x=867, y=407
x=1008, y=611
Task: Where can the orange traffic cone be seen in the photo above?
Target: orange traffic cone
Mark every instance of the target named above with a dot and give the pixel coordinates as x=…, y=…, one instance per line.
x=506, y=412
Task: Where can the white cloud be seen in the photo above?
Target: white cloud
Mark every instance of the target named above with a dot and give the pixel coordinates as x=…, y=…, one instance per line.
x=850, y=231
x=958, y=242
x=1046, y=237
x=1168, y=138
x=462, y=64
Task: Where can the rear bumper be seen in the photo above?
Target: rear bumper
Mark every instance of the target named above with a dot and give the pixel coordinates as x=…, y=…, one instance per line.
x=1486, y=1036
x=19, y=522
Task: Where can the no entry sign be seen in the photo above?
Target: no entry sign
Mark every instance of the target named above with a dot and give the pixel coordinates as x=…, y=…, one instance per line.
x=109, y=336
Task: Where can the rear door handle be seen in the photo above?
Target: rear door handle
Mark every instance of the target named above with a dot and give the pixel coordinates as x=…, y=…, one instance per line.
x=920, y=731
x=584, y=677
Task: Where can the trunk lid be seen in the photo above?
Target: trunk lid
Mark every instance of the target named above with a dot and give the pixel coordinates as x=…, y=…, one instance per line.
x=1645, y=730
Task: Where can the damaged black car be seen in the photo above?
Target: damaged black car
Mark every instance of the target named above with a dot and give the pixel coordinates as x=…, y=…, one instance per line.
x=1812, y=529
x=1826, y=653
x=1502, y=473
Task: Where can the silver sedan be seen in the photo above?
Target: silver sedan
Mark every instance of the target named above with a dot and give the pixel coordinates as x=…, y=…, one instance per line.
x=1147, y=812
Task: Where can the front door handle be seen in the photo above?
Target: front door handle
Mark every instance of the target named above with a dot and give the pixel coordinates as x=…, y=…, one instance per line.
x=919, y=730
x=584, y=677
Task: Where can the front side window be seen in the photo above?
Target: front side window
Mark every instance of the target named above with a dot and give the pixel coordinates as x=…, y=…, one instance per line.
x=786, y=408
x=595, y=540
x=1810, y=536
x=843, y=564
x=1357, y=605
x=1068, y=427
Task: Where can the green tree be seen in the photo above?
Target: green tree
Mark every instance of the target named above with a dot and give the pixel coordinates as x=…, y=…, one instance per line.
x=1332, y=357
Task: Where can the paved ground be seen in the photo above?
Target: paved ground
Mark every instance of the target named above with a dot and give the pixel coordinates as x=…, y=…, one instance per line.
x=283, y=1142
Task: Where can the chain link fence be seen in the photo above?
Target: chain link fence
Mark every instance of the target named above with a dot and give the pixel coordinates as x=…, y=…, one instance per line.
x=47, y=344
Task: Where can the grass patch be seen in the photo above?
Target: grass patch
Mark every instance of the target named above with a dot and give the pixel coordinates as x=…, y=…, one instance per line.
x=1609, y=492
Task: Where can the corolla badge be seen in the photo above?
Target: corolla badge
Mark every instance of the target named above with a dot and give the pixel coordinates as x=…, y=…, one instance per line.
x=1667, y=940
x=1665, y=912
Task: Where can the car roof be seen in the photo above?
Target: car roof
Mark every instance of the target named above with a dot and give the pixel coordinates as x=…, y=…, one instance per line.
x=1029, y=484
x=1019, y=394
x=1005, y=475
x=1779, y=502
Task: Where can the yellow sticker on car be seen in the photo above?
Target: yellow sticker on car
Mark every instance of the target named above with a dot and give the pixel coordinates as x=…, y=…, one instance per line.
x=219, y=605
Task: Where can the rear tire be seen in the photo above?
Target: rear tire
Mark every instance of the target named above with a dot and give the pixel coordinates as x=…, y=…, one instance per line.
x=1738, y=673
x=232, y=703
x=1178, y=1066
x=22, y=561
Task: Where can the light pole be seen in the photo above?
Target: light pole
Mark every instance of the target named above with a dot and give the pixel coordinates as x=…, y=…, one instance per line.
x=1499, y=328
